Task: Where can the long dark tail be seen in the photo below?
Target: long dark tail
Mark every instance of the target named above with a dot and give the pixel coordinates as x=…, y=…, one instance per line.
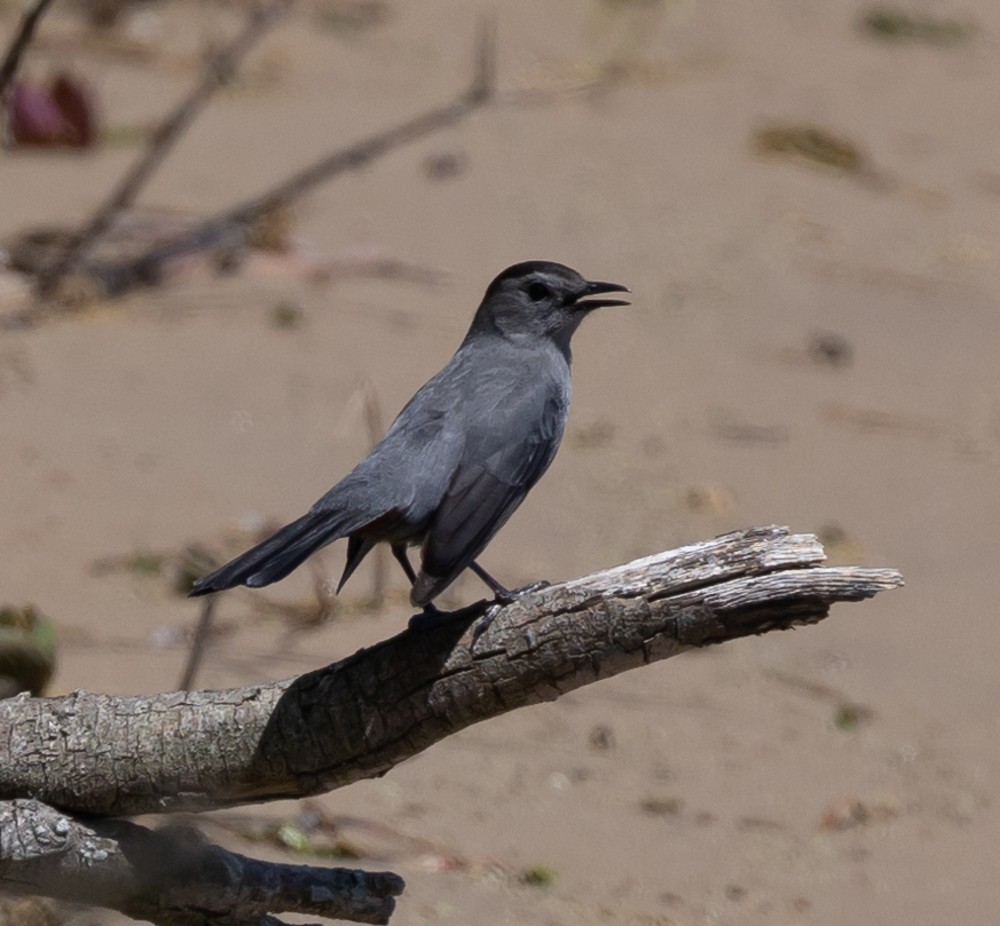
x=277, y=556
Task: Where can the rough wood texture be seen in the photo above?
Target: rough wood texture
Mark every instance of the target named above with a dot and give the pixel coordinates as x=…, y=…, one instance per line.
x=101, y=756
x=112, y=756
x=173, y=877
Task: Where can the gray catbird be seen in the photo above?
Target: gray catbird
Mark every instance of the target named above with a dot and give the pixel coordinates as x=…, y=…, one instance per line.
x=463, y=452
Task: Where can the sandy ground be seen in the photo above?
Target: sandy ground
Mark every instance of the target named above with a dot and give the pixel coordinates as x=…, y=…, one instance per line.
x=714, y=788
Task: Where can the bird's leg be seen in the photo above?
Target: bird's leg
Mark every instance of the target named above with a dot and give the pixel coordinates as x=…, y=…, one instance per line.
x=503, y=594
x=399, y=551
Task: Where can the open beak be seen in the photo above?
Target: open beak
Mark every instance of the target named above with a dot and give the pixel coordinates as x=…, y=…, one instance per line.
x=594, y=289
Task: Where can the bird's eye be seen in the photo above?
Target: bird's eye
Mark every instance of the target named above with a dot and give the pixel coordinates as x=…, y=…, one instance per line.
x=539, y=291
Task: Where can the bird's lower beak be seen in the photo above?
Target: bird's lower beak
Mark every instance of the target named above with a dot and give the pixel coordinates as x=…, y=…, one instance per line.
x=596, y=288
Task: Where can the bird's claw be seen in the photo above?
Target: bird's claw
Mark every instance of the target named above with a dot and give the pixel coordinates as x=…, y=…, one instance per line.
x=510, y=595
x=500, y=600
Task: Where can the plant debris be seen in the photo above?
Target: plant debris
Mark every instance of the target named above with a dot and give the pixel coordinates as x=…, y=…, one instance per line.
x=891, y=24
x=811, y=144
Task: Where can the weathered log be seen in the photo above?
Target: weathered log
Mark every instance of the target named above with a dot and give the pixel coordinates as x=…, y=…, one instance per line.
x=111, y=756
x=99, y=756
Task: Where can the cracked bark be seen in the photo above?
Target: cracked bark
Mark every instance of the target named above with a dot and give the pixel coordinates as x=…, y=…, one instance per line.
x=172, y=876
x=105, y=756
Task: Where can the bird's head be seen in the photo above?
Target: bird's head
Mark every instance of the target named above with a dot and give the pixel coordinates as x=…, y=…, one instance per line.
x=542, y=299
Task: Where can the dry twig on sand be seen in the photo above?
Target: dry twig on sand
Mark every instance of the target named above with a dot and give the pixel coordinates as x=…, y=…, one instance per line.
x=361, y=716
x=19, y=44
x=218, y=70
x=230, y=229
x=233, y=224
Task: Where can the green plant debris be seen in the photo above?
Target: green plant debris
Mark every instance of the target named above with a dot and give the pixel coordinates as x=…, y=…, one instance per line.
x=889, y=24
x=848, y=716
x=812, y=144
x=27, y=651
x=294, y=838
x=286, y=315
x=146, y=564
x=314, y=842
x=538, y=876
x=194, y=562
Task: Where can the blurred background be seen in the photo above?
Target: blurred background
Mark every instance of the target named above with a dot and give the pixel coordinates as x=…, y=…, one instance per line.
x=803, y=197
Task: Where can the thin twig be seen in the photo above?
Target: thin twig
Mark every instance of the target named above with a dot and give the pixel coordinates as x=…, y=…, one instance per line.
x=218, y=70
x=121, y=277
x=29, y=22
x=484, y=81
x=198, y=644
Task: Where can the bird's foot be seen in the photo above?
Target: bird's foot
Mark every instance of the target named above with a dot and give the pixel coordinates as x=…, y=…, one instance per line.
x=510, y=595
x=502, y=598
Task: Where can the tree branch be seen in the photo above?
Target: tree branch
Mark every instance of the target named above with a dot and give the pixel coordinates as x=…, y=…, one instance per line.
x=173, y=876
x=218, y=70
x=230, y=227
x=19, y=44
x=361, y=716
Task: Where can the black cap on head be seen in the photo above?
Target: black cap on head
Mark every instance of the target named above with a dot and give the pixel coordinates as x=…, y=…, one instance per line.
x=567, y=279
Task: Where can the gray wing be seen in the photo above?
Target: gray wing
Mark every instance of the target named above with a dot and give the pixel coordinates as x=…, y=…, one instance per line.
x=401, y=482
x=501, y=461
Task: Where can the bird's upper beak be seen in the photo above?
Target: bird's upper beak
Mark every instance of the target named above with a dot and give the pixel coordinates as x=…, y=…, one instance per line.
x=596, y=288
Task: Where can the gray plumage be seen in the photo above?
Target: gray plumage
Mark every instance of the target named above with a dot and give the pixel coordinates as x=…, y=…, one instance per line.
x=464, y=451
